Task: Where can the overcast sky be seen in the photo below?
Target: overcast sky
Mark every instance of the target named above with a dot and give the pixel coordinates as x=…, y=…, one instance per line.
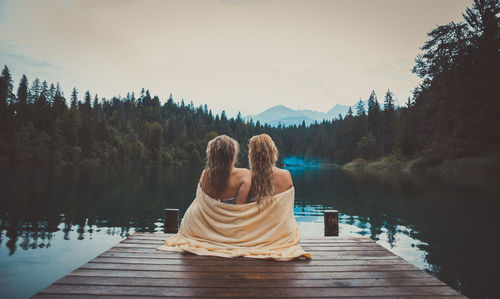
x=235, y=55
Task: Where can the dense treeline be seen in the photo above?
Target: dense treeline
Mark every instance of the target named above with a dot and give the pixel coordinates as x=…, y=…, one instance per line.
x=458, y=104
x=453, y=114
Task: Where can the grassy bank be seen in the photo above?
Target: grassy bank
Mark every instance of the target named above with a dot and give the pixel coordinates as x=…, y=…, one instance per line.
x=421, y=164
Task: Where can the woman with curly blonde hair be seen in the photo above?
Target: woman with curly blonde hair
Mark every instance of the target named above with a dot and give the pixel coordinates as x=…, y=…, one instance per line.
x=267, y=179
x=220, y=179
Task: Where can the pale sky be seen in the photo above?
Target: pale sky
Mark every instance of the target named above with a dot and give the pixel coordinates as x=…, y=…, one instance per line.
x=236, y=55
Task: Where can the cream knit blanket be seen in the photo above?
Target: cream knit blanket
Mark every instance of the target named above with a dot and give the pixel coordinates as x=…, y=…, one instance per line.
x=266, y=230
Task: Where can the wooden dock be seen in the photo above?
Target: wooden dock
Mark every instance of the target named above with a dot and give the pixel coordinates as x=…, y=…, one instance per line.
x=340, y=267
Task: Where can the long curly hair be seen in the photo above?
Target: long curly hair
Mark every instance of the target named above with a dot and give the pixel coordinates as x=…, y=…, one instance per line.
x=262, y=156
x=222, y=153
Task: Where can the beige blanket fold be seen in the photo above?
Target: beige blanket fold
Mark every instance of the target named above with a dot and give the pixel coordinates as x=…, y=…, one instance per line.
x=266, y=231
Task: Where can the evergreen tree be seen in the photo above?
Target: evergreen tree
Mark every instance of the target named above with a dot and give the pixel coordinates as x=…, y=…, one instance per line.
x=389, y=121
x=51, y=93
x=349, y=113
x=35, y=89
x=368, y=148
x=74, y=99
x=360, y=109
x=44, y=89
x=22, y=90
x=22, y=97
x=389, y=101
x=59, y=104
x=5, y=97
x=86, y=134
x=6, y=86
x=374, y=116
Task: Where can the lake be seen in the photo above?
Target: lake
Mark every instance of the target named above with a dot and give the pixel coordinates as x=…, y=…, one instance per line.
x=54, y=219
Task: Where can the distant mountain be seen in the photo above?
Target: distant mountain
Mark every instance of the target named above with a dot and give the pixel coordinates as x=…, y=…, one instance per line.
x=339, y=109
x=292, y=120
x=286, y=116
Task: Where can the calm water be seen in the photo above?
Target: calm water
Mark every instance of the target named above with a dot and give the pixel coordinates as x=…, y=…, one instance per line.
x=54, y=219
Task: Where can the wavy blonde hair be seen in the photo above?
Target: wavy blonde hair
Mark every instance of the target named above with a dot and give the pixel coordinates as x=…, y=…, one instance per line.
x=262, y=156
x=222, y=153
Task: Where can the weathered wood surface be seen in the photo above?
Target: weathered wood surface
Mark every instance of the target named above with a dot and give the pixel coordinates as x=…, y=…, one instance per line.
x=171, y=221
x=331, y=221
x=340, y=267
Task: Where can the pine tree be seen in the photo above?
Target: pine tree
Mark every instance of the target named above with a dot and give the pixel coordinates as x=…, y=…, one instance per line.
x=86, y=108
x=22, y=97
x=6, y=86
x=74, y=99
x=5, y=97
x=349, y=113
x=389, y=101
x=373, y=105
x=44, y=90
x=374, y=116
x=59, y=104
x=389, y=122
x=95, y=105
x=360, y=109
x=22, y=90
x=35, y=90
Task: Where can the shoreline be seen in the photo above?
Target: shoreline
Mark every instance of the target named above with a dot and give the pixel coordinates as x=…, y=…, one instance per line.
x=425, y=165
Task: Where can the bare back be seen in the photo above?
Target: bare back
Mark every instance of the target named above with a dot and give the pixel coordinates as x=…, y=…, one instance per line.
x=281, y=181
x=238, y=186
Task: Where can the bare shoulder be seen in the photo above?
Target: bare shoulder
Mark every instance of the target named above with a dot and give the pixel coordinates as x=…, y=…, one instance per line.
x=282, y=172
x=243, y=173
x=283, y=176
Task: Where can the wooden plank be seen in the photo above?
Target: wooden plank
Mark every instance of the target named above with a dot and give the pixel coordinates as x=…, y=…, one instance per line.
x=59, y=296
x=315, y=254
x=322, y=244
x=336, y=240
x=303, y=238
x=160, y=240
x=146, y=248
x=248, y=292
x=343, y=244
x=249, y=283
x=248, y=269
x=336, y=255
x=242, y=275
x=246, y=262
x=307, y=248
x=334, y=244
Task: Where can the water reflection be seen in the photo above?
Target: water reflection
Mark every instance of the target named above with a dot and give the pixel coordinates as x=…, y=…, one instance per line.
x=445, y=225
x=36, y=200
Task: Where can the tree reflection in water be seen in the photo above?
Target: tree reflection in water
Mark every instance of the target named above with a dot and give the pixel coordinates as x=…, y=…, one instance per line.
x=38, y=201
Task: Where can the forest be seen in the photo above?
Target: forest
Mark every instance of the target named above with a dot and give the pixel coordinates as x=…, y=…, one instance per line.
x=452, y=114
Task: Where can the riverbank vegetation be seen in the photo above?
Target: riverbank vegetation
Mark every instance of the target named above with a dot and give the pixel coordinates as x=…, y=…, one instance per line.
x=452, y=115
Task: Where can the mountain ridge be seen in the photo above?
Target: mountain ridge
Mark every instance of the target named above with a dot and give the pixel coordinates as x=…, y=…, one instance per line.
x=281, y=114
